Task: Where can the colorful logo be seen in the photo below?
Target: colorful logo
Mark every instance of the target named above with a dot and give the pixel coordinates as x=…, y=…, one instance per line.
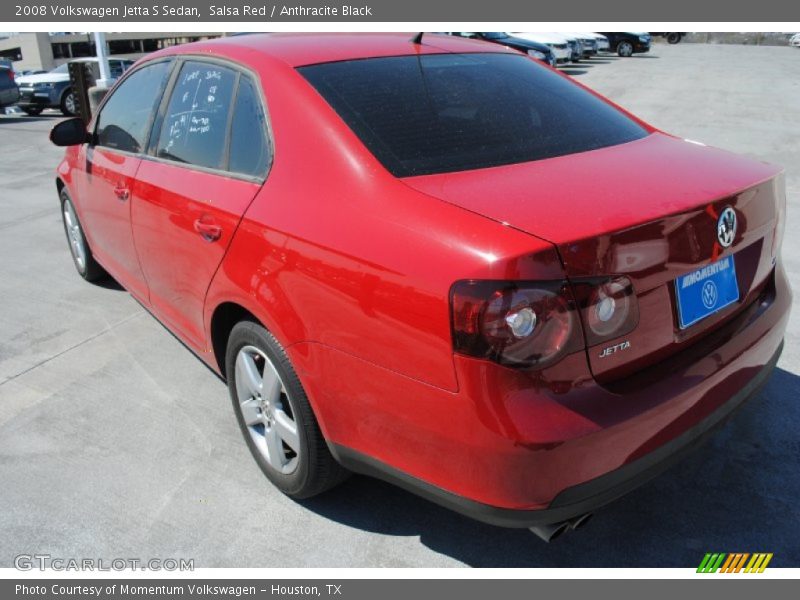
x=721, y=562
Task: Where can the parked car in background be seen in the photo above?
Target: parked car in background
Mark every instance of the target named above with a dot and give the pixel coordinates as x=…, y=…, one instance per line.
x=557, y=43
x=537, y=50
x=795, y=40
x=574, y=44
x=672, y=37
x=587, y=41
x=9, y=92
x=628, y=43
x=575, y=49
x=602, y=42
x=488, y=284
x=53, y=89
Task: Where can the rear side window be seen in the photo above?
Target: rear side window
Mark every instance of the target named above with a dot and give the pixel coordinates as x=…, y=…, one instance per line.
x=196, y=120
x=125, y=118
x=452, y=112
x=249, y=151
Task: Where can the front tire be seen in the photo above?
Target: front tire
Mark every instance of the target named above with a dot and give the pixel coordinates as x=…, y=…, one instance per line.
x=673, y=38
x=82, y=257
x=33, y=112
x=275, y=415
x=625, y=49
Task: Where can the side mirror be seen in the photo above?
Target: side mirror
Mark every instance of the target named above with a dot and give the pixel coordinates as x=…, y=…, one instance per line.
x=71, y=132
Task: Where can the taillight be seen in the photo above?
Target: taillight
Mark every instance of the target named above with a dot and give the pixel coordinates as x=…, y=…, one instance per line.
x=518, y=324
x=536, y=324
x=608, y=308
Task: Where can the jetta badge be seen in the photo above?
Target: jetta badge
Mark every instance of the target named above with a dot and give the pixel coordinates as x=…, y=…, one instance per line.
x=726, y=227
x=613, y=349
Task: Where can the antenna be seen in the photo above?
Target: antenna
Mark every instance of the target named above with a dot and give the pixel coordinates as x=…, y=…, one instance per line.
x=417, y=39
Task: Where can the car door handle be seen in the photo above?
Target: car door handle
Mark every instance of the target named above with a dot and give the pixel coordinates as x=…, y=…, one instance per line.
x=208, y=230
x=122, y=193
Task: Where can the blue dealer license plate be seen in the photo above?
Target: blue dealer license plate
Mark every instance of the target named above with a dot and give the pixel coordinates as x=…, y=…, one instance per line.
x=705, y=291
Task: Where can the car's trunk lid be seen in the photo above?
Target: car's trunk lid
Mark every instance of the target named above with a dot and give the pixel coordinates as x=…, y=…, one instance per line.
x=648, y=210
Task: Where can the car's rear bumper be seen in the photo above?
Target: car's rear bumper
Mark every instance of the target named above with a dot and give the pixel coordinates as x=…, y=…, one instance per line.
x=579, y=499
x=507, y=450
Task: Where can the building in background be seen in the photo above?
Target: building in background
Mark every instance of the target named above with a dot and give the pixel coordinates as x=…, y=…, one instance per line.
x=45, y=51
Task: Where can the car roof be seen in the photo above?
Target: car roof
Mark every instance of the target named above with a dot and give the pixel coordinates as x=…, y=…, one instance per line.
x=299, y=49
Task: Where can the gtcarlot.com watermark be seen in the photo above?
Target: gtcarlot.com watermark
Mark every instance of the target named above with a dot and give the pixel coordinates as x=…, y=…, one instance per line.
x=45, y=562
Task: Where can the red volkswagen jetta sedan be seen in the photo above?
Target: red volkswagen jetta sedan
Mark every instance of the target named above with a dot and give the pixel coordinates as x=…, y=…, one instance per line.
x=435, y=261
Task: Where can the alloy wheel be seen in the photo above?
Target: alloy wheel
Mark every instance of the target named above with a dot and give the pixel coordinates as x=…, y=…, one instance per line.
x=267, y=409
x=77, y=244
x=70, y=104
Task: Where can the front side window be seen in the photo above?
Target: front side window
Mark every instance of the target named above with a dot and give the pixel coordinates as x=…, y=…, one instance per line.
x=196, y=119
x=439, y=113
x=124, y=120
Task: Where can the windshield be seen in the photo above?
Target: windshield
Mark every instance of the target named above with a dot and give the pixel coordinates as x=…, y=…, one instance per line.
x=439, y=113
x=62, y=69
x=495, y=35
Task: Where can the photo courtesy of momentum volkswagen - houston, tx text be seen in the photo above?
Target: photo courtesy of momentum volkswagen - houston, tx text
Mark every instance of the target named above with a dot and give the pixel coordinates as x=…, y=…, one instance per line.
x=434, y=260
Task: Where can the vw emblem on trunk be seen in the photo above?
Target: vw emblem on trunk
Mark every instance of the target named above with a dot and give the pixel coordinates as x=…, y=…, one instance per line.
x=726, y=227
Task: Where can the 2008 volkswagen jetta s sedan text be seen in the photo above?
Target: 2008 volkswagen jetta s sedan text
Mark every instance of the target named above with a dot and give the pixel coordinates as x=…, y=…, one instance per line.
x=434, y=261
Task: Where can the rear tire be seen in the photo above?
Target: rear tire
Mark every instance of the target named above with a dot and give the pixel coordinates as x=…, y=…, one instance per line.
x=82, y=257
x=673, y=38
x=275, y=416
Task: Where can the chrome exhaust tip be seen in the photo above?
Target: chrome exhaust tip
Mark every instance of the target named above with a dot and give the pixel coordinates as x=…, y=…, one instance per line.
x=579, y=522
x=551, y=531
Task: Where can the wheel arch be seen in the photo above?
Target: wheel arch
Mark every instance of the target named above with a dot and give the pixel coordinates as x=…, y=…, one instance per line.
x=225, y=316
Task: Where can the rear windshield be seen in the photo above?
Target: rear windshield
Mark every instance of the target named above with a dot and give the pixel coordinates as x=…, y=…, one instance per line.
x=453, y=112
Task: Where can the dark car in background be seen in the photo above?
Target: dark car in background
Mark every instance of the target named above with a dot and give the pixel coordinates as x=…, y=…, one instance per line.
x=53, y=89
x=628, y=43
x=672, y=37
x=537, y=50
x=9, y=92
